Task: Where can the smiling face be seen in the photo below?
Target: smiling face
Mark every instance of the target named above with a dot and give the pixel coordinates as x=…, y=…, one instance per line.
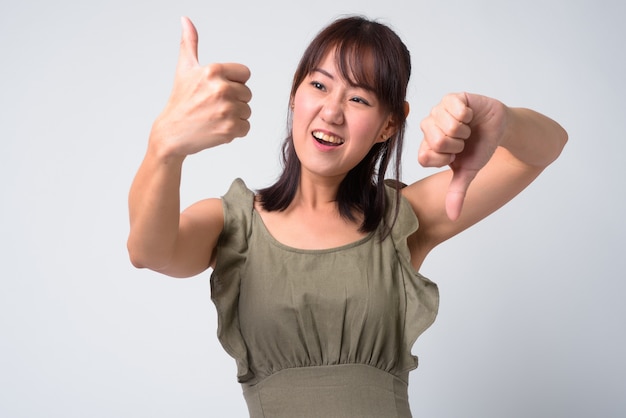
x=348, y=89
x=335, y=123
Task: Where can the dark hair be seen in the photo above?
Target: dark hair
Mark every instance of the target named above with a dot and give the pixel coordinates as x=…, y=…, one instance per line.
x=368, y=54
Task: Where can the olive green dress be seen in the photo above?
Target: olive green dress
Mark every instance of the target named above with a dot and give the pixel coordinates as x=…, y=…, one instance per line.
x=319, y=333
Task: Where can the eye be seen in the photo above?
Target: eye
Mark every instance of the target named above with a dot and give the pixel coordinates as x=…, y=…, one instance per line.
x=318, y=85
x=358, y=99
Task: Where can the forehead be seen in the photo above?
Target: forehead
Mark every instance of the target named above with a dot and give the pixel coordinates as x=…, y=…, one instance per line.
x=327, y=66
x=355, y=67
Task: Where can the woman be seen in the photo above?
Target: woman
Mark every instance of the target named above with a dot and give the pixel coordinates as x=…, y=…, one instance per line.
x=315, y=278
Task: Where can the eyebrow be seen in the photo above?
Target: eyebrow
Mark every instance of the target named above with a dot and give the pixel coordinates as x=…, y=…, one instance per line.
x=329, y=75
x=326, y=73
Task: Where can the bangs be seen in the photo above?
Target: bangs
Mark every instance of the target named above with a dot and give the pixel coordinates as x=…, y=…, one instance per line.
x=363, y=62
x=368, y=55
x=357, y=65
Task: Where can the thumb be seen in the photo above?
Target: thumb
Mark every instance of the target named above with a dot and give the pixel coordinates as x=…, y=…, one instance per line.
x=461, y=179
x=188, y=55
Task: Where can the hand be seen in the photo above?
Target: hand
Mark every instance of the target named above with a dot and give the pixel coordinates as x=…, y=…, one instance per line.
x=463, y=131
x=208, y=105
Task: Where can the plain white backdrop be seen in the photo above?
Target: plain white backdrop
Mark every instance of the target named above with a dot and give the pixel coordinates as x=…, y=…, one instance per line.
x=532, y=320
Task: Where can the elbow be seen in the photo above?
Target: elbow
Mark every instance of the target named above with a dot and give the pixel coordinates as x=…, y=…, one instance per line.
x=561, y=139
x=142, y=258
x=136, y=261
x=135, y=257
x=554, y=143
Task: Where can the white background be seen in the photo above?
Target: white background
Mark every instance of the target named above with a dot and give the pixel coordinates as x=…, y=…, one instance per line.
x=532, y=318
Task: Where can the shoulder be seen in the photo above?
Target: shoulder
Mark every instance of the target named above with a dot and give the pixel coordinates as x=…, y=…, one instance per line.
x=238, y=191
x=238, y=202
x=400, y=215
x=210, y=221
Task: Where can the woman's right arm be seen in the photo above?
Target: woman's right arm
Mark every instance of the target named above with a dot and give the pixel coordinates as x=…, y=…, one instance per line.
x=161, y=238
x=208, y=107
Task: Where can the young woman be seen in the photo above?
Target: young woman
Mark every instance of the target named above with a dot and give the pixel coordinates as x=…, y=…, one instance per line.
x=316, y=278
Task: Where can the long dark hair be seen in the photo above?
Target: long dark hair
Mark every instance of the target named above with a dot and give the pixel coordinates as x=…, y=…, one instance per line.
x=369, y=54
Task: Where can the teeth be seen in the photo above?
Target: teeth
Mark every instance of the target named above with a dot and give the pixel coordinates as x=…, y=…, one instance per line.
x=328, y=138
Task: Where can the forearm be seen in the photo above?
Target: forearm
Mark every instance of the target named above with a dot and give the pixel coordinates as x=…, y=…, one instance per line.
x=533, y=138
x=154, y=208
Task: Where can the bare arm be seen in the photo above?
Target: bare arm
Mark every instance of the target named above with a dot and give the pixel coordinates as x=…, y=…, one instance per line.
x=154, y=210
x=161, y=238
x=493, y=151
x=208, y=107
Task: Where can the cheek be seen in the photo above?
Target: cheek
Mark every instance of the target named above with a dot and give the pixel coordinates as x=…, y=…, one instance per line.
x=367, y=131
x=298, y=127
x=302, y=115
x=300, y=104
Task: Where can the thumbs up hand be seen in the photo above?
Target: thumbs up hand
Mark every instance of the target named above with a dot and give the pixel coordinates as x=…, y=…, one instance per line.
x=208, y=105
x=463, y=131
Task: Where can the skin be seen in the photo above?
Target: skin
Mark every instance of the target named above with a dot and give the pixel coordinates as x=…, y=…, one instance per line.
x=324, y=102
x=497, y=149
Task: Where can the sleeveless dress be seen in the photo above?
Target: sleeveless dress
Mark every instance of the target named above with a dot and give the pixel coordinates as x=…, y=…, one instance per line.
x=319, y=333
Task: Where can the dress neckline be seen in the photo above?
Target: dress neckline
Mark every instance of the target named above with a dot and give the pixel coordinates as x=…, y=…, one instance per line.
x=256, y=217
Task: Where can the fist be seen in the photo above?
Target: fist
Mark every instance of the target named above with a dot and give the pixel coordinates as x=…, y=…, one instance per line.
x=463, y=131
x=208, y=105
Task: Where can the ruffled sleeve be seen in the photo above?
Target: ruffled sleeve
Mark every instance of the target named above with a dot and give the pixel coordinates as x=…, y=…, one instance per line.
x=422, y=295
x=232, y=250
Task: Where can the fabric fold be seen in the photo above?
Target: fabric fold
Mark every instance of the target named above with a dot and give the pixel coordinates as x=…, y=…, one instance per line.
x=281, y=308
x=232, y=249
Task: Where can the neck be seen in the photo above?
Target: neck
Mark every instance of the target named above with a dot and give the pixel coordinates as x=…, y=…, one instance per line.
x=316, y=192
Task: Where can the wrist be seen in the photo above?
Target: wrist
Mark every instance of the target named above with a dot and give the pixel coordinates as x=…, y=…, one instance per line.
x=163, y=145
x=532, y=137
x=509, y=122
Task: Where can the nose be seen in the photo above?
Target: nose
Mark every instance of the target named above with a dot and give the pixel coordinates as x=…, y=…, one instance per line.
x=332, y=111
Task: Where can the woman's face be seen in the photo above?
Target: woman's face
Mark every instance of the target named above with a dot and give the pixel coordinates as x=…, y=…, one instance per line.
x=335, y=124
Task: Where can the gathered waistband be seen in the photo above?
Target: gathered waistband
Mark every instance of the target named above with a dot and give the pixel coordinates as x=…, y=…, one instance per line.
x=337, y=391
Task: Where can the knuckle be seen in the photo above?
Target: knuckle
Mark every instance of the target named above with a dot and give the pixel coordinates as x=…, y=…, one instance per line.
x=221, y=92
x=438, y=143
x=464, y=113
x=230, y=127
x=213, y=70
x=452, y=129
x=422, y=158
x=245, y=128
x=248, y=94
x=245, y=72
x=247, y=112
x=428, y=157
x=450, y=126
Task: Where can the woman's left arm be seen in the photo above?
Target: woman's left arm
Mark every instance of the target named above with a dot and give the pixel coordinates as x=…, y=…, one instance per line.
x=493, y=152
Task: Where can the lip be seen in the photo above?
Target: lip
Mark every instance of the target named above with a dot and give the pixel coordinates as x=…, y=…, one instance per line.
x=326, y=146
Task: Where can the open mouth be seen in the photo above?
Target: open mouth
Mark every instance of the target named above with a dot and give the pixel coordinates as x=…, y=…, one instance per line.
x=326, y=139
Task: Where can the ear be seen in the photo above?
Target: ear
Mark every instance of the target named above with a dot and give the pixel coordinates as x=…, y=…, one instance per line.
x=391, y=125
x=389, y=129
